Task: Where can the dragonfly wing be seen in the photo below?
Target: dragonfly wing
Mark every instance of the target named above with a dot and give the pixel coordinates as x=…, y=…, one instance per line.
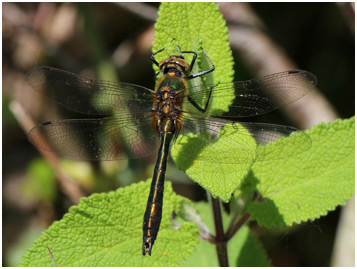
x=96, y=139
x=264, y=134
x=89, y=96
x=256, y=96
x=217, y=141
x=243, y=142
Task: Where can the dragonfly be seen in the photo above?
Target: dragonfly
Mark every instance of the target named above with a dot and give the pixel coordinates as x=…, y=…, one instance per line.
x=134, y=121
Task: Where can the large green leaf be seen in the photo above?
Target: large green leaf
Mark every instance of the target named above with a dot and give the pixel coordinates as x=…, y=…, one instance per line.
x=106, y=230
x=307, y=186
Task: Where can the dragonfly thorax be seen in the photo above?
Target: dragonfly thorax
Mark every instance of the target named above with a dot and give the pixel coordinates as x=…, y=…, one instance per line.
x=168, y=104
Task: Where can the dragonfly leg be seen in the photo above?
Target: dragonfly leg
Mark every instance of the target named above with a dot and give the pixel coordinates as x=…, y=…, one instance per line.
x=193, y=58
x=153, y=57
x=204, y=72
x=203, y=110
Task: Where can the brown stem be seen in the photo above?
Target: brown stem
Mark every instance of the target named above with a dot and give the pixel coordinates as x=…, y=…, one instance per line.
x=221, y=242
x=231, y=232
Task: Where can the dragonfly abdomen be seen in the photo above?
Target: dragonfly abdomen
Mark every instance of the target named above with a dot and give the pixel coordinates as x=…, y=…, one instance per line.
x=153, y=213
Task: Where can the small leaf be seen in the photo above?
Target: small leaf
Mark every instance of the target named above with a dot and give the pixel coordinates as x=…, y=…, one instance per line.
x=244, y=249
x=219, y=178
x=308, y=185
x=106, y=230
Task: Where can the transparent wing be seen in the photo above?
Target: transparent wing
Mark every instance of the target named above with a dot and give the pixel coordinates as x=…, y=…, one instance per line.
x=242, y=142
x=256, y=96
x=130, y=125
x=96, y=139
x=89, y=96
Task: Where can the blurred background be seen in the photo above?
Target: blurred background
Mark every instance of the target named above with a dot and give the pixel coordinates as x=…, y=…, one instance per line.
x=112, y=41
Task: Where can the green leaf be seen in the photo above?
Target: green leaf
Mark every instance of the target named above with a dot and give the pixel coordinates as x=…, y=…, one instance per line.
x=196, y=25
x=106, y=230
x=308, y=185
x=244, y=249
x=194, y=154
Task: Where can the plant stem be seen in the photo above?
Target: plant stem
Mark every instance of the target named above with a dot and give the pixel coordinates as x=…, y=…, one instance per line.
x=236, y=224
x=221, y=242
x=231, y=232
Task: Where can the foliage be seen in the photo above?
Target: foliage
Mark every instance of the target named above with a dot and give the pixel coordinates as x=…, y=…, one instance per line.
x=307, y=186
x=106, y=229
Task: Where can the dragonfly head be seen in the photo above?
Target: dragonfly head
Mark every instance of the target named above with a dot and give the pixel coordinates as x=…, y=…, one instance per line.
x=175, y=65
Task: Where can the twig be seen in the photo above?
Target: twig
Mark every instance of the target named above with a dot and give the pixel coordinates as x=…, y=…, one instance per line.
x=232, y=230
